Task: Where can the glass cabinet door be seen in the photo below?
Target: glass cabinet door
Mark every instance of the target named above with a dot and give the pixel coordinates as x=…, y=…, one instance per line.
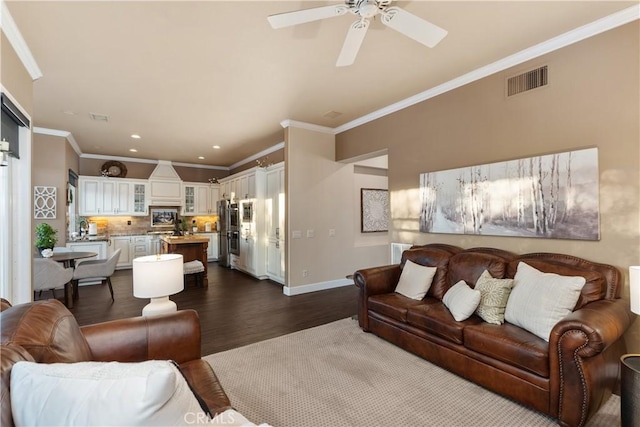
x=189, y=199
x=139, y=198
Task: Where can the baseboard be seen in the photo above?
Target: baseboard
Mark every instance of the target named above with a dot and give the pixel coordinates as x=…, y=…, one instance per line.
x=313, y=287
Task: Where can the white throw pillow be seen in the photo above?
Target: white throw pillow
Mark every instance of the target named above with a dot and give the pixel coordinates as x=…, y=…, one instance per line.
x=461, y=300
x=540, y=300
x=101, y=393
x=415, y=280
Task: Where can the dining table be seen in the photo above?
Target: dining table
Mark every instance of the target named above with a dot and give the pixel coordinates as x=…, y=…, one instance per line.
x=68, y=259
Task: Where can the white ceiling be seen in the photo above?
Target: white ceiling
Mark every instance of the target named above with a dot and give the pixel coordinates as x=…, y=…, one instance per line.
x=189, y=75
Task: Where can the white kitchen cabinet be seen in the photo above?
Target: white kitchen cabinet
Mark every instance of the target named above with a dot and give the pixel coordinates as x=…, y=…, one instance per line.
x=200, y=199
x=212, y=249
x=131, y=247
x=124, y=244
x=112, y=196
x=99, y=247
x=274, y=218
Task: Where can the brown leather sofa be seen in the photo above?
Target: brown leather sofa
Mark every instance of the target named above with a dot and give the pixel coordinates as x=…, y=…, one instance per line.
x=46, y=332
x=568, y=378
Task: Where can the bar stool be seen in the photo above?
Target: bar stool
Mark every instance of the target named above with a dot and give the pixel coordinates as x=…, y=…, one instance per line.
x=194, y=268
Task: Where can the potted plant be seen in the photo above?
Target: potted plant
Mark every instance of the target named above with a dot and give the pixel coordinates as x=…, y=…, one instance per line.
x=45, y=236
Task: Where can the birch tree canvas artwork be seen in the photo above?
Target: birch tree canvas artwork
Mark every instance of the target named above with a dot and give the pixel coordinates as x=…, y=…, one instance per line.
x=553, y=196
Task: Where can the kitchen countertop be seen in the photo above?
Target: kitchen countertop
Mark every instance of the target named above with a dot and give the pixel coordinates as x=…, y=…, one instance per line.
x=97, y=238
x=179, y=240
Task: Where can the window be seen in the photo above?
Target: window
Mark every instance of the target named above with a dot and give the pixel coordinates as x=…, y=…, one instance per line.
x=12, y=120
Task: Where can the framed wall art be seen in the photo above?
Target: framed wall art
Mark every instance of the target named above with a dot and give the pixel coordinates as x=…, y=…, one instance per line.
x=44, y=202
x=554, y=196
x=374, y=210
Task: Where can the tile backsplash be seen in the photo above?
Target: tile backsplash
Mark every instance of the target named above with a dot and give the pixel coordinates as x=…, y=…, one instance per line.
x=114, y=225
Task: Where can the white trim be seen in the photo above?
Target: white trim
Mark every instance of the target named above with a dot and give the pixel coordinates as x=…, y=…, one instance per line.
x=256, y=156
x=194, y=165
x=62, y=134
x=578, y=34
x=308, y=126
x=10, y=29
x=122, y=159
x=313, y=287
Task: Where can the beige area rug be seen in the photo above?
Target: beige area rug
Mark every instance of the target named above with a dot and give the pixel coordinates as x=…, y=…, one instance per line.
x=336, y=375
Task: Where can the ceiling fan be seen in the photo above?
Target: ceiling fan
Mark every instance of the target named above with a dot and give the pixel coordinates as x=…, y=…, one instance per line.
x=400, y=20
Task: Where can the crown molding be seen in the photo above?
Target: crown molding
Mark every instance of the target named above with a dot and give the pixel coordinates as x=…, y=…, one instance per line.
x=308, y=126
x=607, y=23
x=256, y=156
x=61, y=133
x=195, y=165
x=10, y=29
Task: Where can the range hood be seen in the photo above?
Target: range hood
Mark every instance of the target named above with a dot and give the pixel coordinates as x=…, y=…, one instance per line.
x=165, y=186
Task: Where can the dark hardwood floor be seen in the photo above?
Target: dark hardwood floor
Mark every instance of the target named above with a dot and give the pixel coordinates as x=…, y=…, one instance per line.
x=235, y=309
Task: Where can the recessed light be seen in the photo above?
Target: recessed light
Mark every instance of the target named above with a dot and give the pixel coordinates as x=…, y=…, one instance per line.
x=135, y=136
x=133, y=150
x=216, y=147
x=201, y=157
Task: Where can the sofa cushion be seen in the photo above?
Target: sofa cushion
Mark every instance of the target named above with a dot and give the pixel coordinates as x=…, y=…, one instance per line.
x=431, y=257
x=510, y=344
x=494, y=294
x=392, y=305
x=595, y=287
x=47, y=330
x=436, y=319
x=540, y=300
x=461, y=301
x=469, y=265
x=415, y=280
x=100, y=393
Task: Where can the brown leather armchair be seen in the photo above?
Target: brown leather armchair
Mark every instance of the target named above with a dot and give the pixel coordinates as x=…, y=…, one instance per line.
x=46, y=332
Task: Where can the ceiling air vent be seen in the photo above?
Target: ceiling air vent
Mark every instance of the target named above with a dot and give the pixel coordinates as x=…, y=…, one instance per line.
x=527, y=81
x=99, y=117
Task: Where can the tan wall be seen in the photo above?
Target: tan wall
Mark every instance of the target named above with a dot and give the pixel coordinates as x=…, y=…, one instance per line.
x=322, y=195
x=592, y=100
x=14, y=77
x=49, y=160
x=270, y=159
x=136, y=170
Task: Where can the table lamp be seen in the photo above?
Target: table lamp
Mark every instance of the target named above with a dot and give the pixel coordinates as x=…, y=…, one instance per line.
x=157, y=277
x=634, y=288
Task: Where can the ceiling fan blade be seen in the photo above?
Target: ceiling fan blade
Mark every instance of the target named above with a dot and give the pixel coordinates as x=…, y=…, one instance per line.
x=288, y=19
x=413, y=26
x=352, y=43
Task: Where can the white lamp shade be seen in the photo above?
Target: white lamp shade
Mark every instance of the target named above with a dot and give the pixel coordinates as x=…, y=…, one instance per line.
x=634, y=287
x=157, y=275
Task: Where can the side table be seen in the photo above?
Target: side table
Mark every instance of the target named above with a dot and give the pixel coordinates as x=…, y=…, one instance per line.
x=630, y=390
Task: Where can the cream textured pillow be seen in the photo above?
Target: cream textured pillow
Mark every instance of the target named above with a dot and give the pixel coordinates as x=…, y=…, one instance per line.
x=540, y=300
x=415, y=280
x=461, y=300
x=494, y=294
x=101, y=393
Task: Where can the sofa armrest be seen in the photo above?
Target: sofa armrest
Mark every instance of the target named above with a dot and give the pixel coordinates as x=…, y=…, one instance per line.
x=174, y=336
x=584, y=352
x=374, y=281
x=378, y=280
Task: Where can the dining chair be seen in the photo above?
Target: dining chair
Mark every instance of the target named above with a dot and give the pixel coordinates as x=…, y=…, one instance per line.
x=100, y=269
x=49, y=275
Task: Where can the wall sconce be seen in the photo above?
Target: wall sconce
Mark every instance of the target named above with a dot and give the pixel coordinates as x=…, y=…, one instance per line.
x=634, y=288
x=157, y=277
x=4, y=150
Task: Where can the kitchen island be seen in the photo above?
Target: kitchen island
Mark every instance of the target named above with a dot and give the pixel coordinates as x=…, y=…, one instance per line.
x=190, y=247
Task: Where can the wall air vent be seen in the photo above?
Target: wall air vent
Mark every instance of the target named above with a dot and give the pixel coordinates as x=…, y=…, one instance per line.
x=527, y=81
